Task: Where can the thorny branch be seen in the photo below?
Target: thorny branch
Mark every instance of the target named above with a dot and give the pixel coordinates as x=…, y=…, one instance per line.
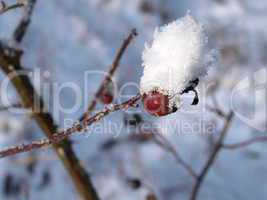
x=76, y=128
x=56, y=138
x=212, y=157
x=4, y=7
x=111, y=72
x=10, y=63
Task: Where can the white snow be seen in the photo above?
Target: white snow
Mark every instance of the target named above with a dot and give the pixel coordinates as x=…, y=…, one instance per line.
x=177, y=55
x=61, y=45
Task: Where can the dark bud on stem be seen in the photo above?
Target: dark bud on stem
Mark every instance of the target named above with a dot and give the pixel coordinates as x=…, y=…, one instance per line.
x=151, y=197
x=134, y=183
x=132, y=120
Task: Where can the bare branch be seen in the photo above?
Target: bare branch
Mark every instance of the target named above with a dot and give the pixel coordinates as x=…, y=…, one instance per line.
x=17, y=105
x=245, y=143
x=111, y=71
x=4, y=8
x=10, y=64
x=212, y=157
x=165, y=144
x=158, y=139
x=216, y=110
x=77, y=128
x=25, y=21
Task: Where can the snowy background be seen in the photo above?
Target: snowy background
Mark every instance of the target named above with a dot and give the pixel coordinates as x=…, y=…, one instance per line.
x=66, y=38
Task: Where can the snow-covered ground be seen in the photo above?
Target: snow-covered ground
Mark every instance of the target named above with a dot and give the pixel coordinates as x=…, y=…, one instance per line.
x=68, y=38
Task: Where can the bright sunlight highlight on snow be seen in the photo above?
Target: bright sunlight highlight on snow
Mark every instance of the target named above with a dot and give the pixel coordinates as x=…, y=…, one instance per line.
x=177, y=55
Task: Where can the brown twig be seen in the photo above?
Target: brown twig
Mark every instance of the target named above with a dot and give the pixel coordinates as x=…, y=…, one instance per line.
x=25, y=21
x=10, y=64
x=4, y=8
x=158, y=139
x=111, y=72
x=216, y=110
x=212, y=157
x=164, y=143
x=245, y=143
x=76, y=128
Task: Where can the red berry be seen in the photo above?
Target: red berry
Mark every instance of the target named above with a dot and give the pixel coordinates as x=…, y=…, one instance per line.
x=106, y=97
x=156, y=103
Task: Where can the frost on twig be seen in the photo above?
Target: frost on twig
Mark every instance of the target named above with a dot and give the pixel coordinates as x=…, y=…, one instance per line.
x=76, y=128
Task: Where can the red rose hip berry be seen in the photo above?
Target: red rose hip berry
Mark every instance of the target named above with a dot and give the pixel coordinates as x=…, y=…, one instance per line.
x=156, y=103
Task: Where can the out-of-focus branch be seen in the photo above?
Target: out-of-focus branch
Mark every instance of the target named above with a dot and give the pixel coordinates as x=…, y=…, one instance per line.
x=76, y=128
x=158, y=139
x=17, y=105
x=4, y=7
x=111, y=72
x=10, y=64
x=25, y=21
x=245, y=143
x=164, y=143
x=216, y=110
x=212, y=157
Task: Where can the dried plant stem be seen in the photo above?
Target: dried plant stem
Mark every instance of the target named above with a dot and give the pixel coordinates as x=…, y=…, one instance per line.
x=25, y=21
x=76, y=128
x=4, y=8
x=245, y=143
x=17, y=105
x=111, y=71
x=10, y=64
x=164, y=143
x=212, y=157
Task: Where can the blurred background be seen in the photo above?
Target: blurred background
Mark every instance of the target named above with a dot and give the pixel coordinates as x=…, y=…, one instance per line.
x=67, y=38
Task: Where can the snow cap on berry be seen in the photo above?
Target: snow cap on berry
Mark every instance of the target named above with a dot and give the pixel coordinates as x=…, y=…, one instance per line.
x=177, y=55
